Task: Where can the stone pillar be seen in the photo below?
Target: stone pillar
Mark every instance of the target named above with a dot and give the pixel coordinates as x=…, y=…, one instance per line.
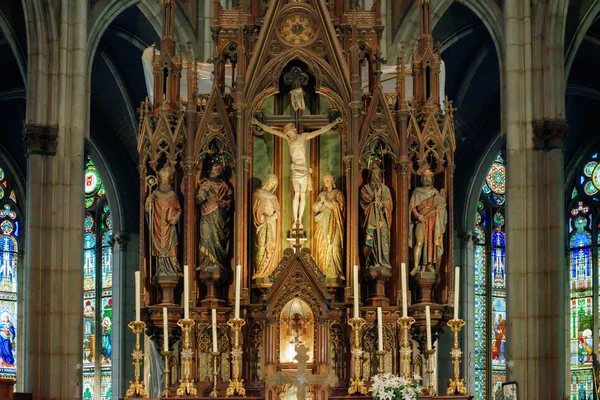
x=54, y=137
x=536, y=270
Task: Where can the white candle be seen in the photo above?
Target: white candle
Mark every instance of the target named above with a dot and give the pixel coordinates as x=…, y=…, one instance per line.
x=428, y=320
x=186, y=292
x=456, y=290
x=214, y=330
x=404, y=292
x=165, y=330
x=355, y=287
x=379, y=329
x=137, y=295
x=238, y=272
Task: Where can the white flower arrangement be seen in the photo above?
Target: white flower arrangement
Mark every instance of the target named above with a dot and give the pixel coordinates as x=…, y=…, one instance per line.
x=392, y=387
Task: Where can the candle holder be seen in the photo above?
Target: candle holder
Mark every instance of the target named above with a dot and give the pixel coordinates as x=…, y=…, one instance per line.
x=136, y=387
x=380, y=360
x=456, y=386
x=215, y=356
x=357, y=384
x=429, y=373
x=236, y=385
x=405, y=347
x=187, y=386
x=166, y=373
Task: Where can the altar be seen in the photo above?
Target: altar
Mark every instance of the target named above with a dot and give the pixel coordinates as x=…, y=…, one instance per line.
x=296, y=217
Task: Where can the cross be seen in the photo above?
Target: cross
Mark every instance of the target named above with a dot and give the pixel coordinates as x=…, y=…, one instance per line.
x=302, y=378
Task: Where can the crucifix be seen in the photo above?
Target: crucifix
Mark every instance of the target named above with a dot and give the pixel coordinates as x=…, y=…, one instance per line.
x=292, y=124
x=302, y=378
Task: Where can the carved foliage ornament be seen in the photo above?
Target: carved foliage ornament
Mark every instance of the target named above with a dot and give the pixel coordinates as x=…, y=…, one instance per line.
x=297, y=27
x=162, y=135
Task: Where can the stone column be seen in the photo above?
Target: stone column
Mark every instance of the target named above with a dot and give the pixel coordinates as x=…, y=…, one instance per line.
x=54, y=137
x=536, y=270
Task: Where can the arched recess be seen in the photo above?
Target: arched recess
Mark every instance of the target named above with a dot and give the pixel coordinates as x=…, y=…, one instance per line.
x=124, y=265
x=466, y=242
x=584, y=24
x=9, y=34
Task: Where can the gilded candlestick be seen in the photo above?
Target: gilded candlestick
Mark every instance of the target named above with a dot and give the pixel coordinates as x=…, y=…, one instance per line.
x=215, y=356
x=166, y=373
x=136, y=387
x=236, y=385
x=429, y=390
x=380, y=360
x=187, y=386
x=405, y=347
x=357, y=384
x=457, y=384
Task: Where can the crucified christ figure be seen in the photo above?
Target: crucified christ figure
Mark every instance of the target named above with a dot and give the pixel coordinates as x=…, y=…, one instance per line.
x=299, y=171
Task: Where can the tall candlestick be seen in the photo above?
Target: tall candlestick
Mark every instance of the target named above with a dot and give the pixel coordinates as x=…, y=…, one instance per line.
x=379, y=329
x=165, y=330
x=186, y=292
x=456, y=290
x=404, y=292
x=238, y=272
x=214, y=330
x=137, y=296
x=428, y=320
x=355, y=287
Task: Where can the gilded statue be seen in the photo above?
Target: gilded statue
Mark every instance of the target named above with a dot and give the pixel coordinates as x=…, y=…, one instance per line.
x=377, y=205
x=266, y=211
x=164, y=211
x=329, y=228
x=299, y=170
x=429, y=217
x=215, y=198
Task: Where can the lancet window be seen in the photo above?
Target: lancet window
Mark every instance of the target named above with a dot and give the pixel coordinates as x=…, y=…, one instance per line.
x=10, y=256
x=97, y=288
x=490, y=283
x=583, y=223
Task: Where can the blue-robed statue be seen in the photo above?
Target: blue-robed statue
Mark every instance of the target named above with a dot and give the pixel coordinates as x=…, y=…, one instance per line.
x=7, y=338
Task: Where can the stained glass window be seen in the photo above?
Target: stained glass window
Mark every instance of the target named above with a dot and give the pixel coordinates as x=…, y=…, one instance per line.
x=10, y=256
x=97, y=288
x=582, y=234
x=490, y=284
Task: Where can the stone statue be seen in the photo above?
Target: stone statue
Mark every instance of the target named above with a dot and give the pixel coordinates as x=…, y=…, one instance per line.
x=376, y=202
x=163, y=209
x=299, y=170
x=329, y=228
x=266, y=211
x=429, y=215
x=215, y=198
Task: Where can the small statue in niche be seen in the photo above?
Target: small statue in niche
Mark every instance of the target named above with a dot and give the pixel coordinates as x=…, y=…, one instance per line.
x=215, y=198
x=299, y=170
x=376, y=202
x=164, y=211
x=266, y=211
x=429, y=215
x=329, y=228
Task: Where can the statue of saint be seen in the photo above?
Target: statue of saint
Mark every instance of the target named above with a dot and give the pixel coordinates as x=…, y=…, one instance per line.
x=428, y=211
x=266, y=210
x=215, y=198
x=163, y=209
x=329, y=228
x=376, y=202
x=299, y=170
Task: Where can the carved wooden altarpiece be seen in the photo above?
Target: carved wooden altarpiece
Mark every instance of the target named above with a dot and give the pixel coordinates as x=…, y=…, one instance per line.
x=301, y=64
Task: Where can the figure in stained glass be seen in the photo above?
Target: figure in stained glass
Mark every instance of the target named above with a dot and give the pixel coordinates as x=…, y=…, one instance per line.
x=107, y=333
x=499, y=339
x=164, y=211
x=7, y=340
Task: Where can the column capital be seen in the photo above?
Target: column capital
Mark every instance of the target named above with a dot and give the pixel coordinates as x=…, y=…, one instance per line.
x=122, y=239
x=549, y=134
x=40, y=139
x=465, y=236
